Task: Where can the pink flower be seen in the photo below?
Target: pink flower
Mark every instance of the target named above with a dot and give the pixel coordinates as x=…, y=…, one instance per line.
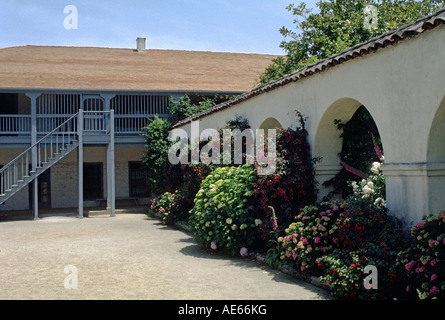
x=243, y=252
x=434, y=290
x=420, y=224
x=213, y=245
x=161, y=210
x=408, y=288
x=294, y=255
x=420, y=269
x=433, y=277
x=317, y=240
x=335, y=208
x=410, y=265
x=302, y=268
x=433, y=262
x=305, y=241
x=288, y=254
x=432, y=243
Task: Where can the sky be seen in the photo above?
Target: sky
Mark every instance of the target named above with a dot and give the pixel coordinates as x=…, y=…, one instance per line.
x=248, y=26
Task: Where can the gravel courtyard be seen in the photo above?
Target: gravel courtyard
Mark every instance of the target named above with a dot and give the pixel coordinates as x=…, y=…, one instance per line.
x=130, y=256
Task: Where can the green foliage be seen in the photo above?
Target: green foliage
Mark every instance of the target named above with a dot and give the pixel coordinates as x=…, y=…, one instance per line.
x=154, y=159
x=338, y=25
x=423, y=263
x=239, y=122
x=184, y=108
x=223, y=217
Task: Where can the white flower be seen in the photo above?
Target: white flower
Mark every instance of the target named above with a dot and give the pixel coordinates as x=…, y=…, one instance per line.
x=229, y=221
x=367, y=190
x=354, y=186
x=380, y=202
x=258, y=222
x=370, y=184
x=375, y=167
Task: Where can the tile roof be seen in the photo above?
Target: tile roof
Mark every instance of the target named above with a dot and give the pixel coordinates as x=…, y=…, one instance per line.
x=362, y=49
x=127, y=69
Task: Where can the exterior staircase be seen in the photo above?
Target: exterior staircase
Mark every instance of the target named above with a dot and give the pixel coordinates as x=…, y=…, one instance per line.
x=40, y=156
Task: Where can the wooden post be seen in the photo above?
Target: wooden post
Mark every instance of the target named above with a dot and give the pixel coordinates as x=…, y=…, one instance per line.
x=111, y=183
x=80, y=160
x=35, y=195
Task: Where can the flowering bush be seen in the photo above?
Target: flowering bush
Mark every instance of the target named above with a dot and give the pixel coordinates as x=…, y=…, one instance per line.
x=344, y=274
x=310, y=236
x=423, y=263
x=373, y=187
x=370, y=237
x=292, y=186
x=163, y=206
x=223, y=216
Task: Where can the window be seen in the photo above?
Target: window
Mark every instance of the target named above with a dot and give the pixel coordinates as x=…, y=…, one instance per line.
x=138, y=180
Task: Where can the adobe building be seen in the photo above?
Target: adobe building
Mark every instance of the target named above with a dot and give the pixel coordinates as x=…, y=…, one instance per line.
x=71, y=118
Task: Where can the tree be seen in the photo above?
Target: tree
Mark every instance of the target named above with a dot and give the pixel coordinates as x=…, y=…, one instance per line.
x=338, y=25
x=155, y=157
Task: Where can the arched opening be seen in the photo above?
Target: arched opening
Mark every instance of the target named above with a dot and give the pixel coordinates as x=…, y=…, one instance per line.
x=270, y=123
x=348, y=141
x=436, y=161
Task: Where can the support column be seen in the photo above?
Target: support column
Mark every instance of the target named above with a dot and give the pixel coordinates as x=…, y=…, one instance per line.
x=80, y=161
x=407, y=191
x=35, y=195
x=111, y=183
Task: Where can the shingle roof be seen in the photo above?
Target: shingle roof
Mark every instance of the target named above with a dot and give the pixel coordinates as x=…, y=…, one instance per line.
x=387, y=39
x=127, y=69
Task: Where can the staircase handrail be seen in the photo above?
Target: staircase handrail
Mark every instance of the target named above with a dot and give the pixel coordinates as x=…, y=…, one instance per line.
x=5, y=167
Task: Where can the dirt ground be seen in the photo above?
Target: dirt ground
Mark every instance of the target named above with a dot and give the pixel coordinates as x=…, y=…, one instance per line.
x=130, y=256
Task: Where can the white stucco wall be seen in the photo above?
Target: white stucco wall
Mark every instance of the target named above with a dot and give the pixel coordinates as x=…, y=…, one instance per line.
x=402, y=86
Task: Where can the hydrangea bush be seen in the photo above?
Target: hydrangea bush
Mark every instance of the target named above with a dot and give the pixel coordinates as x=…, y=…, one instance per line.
x=223, y=217
x=423, y=263
x=364, y=234
x=310, y=236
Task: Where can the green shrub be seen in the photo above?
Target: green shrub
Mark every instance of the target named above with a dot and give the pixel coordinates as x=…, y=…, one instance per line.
x=423, y=263
x=223, y=216
x=155, y=157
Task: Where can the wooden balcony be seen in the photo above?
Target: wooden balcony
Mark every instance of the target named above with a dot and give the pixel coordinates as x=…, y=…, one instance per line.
x=132, y=113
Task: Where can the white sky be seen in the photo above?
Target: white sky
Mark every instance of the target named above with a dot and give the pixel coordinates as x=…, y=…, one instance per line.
x=210, y=25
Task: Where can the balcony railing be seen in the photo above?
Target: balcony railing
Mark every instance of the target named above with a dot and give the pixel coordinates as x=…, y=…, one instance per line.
x=125, y=124
x=15, y=124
